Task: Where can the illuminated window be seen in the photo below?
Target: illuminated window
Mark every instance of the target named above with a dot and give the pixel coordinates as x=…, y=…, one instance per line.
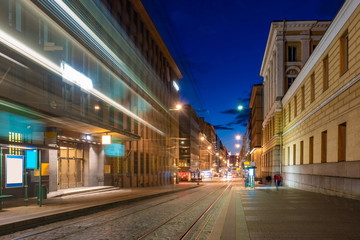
x=15, y=138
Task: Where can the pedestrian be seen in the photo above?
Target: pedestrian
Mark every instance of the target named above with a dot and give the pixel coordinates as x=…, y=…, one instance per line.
x=277, y=179
x=268, y=179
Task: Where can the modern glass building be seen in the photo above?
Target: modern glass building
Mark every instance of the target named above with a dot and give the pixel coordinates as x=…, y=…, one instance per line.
x=75, y=74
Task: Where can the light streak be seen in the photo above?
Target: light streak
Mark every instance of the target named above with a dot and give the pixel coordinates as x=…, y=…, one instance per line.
x=24, y=50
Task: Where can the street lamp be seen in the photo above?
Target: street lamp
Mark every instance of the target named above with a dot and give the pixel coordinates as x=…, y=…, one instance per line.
x=238, y=137
x=237, y=145
x=177, y=107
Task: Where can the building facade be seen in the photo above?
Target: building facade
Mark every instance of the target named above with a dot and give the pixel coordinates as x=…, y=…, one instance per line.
x=207, y=145
x=288, y=47
x=189, y=141
x=320, y=111
x=75, y=73
x=256, y=119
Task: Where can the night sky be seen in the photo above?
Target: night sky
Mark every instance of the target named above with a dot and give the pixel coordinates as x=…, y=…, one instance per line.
x=219, y=45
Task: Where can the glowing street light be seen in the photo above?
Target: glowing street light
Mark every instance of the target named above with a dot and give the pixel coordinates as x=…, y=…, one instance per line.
x=178, y=106
x=238, y=137
x=237, y=145
x=240, y=107
x=202, y=138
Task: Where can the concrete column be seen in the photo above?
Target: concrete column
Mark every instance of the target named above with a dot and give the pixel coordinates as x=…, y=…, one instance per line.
x=274, y=77
x=305, y=50
x=95, y=171
x=50, y=155
x=280, y=61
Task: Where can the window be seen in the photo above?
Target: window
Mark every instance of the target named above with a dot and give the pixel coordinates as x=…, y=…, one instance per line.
x=312, y=87
x=292, y=53
x=289, y=111
x=295, y=106
x=342, y=142
x=136, y=162
x=290, y=81
x=311, y=150
x=324, y=147
x=288, y=155
x=344, y=53
x=325, y=73
x=301, y=152
x=294, y=154
x=302, y=98
x=142, y=163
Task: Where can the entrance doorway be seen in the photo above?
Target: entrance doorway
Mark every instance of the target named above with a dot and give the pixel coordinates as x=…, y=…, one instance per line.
x=70, y=165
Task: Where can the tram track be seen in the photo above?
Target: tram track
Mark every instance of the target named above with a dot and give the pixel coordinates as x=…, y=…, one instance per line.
x=188, y=230
x=98, y=215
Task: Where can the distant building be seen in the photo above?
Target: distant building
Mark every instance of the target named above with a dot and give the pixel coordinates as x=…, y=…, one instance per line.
x=208, y=139
x=189, y=141
x=256, y=119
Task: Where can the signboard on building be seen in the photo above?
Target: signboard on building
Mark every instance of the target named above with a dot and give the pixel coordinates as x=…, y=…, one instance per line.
x=14, y=171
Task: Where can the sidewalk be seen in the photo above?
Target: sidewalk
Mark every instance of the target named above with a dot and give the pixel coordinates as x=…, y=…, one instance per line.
x=71, y=203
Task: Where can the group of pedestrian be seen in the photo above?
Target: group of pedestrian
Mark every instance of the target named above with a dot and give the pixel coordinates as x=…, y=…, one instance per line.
x=277, y=179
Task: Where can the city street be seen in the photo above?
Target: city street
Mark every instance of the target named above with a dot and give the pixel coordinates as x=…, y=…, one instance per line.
x=218, y=209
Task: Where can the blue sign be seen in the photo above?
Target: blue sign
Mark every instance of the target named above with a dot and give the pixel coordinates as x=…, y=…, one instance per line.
x=114, y=150
x=31, y=159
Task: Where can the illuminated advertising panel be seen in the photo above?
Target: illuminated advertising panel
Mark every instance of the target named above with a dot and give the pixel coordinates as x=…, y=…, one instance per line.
x=14, y=171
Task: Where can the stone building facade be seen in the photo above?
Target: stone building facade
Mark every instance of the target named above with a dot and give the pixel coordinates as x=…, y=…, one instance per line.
x=321, y=111
x=288, y=47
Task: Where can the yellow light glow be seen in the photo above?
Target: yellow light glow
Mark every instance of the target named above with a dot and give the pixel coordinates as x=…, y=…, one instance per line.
x=202, y=138
x=97, y=107
x=238, y=137
x=209, y=147
x=237, y=145
x=178, y=106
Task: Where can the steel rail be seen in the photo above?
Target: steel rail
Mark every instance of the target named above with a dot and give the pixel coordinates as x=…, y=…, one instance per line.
x=183, y=211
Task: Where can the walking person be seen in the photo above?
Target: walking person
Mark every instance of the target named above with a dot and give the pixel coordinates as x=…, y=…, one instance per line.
x=277, y=180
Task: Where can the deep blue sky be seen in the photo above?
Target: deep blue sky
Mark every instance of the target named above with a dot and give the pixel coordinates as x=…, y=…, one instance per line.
x=219, y=45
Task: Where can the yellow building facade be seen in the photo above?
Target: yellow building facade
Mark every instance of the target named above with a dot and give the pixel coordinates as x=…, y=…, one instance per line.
x=320, y=138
